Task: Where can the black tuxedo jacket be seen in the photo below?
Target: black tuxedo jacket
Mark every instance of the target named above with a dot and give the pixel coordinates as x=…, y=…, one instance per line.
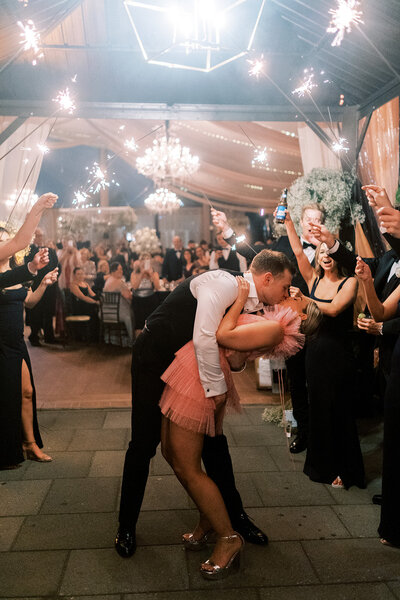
x=172, y=268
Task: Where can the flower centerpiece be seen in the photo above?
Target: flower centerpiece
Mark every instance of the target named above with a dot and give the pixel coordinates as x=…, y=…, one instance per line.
x=145, y=240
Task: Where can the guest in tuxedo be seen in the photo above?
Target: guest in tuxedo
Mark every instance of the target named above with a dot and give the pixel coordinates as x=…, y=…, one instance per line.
x=40, y=316
x=172, y=268
x=192, y=311
x=311, y=214
x=224, y=257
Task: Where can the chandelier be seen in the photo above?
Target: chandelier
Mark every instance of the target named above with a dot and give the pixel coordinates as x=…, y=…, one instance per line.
x=194, y=34
x=167, y=160
x=163, y=202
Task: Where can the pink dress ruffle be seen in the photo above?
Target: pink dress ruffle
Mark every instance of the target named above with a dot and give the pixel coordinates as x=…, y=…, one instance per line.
x=183, y=400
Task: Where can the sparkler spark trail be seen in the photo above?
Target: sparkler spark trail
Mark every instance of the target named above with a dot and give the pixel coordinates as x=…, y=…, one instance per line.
x=43, y=148
x=31, y=39
x=260, y=157
x=340, y=145
x=306, y=87
x=131, y=145
x=65, y=101
x=343, y=17
x=256, y=67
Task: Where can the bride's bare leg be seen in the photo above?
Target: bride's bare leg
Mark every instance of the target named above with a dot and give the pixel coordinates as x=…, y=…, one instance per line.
x=183, y=448
x=29, y=443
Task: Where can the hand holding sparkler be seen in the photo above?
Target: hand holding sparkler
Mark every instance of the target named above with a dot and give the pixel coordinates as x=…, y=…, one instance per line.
x=40, y=259
x=377, y=196
x=50, y=278
x=389, y=218
x=362, y=270
x=219, y=219
x=45, y=201
x=321, y=233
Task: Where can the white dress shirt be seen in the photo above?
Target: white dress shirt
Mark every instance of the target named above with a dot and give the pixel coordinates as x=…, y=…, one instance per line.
x=395, y=266
x=215, y=291
x=309, y=251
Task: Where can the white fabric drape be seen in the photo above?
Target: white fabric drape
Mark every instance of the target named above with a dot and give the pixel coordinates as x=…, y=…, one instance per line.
x=15, y=167
x=314, y=153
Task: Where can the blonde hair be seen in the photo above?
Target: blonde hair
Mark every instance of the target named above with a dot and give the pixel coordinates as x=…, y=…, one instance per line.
x=312, y=322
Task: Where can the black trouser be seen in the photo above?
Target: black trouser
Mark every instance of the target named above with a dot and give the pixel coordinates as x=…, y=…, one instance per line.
x=41, y=317
x=296, y=368
x=147, y=366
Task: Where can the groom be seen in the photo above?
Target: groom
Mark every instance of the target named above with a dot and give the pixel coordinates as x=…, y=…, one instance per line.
x=192, y=311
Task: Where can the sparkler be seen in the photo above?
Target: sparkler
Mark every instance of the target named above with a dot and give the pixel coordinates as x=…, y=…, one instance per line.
x=31, y=39
x=131, y=145
x=65, y=101
x=340, y=145
x=343, y=18
x=79, y=197
x=98, y=181
x=260, y=157
x=43, y=148
x=306, y=87
x=256, y=67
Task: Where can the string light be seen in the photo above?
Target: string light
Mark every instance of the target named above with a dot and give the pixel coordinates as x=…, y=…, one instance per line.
x=343, y=18
x=31, y=39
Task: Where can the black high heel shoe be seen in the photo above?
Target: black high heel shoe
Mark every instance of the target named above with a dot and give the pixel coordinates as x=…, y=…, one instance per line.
x=233, y=565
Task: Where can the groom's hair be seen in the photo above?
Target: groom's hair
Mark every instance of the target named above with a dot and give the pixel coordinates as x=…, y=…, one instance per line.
x=269, y=261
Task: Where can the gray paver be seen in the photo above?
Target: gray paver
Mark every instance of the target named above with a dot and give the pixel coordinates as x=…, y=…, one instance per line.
x=357, y=591
x=258, y=435
x=361, y=521
x=254, y=414
x=9, y=527
x=157, y=568
x=264, y=566
x=67, y=531
x=107, y=463
x=286, y=461
x=99, y=439
x=31, y=573
x=79, y=419
x=247, y=460
x=96, y=494
x=56, y=440
x=159, y=465
x=164, y=492
x=299, y=522
x=119, y=419
x=290, y=489
x=22, y=497
x=209, y=594
x=354, y=495
x=165, y=526
x=353, y=560
x=64, y=464
x=394, y=586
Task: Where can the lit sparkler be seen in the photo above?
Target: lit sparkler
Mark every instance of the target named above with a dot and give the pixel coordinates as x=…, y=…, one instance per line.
x=65, y=101
x=256, y=67
x=340, y=145
x=131, y=145
x=260, y=157
x=31, y=39
x=306, y=87
x=343, y=17
x=79, y=198
x=43, y=148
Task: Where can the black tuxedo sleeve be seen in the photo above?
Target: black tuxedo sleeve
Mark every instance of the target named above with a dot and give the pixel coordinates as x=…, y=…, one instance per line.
x=393, y=242
x=241, y=248
x=15, y=276
x=391, y=327
x=348, y=259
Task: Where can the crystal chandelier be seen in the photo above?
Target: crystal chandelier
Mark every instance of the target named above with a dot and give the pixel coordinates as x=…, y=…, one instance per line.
x=167, y=160
x=163, y=202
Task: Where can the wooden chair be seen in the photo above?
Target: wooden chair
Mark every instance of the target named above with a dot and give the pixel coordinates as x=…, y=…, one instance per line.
x=110, y=318
x=74, y=323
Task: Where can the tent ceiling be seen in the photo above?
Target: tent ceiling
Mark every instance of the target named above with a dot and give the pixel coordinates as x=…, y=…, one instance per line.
x=94, y=39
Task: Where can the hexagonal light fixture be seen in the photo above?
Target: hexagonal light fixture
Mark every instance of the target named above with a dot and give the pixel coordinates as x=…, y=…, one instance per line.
x=198, y=35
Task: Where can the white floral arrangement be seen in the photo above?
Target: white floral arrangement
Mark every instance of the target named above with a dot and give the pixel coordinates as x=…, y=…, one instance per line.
x=332, y=189
x=145, y=240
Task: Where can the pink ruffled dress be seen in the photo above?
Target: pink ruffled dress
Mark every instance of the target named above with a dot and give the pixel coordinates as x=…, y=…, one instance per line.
x=183, y=400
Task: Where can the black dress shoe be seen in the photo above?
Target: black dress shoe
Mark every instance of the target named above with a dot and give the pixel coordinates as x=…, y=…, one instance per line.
x=298, y=445
x=250, y=532
x=125, y=542
x=377, y=499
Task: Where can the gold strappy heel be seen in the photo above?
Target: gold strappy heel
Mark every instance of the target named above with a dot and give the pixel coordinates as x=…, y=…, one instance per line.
x=233, y=565
x=30, y=455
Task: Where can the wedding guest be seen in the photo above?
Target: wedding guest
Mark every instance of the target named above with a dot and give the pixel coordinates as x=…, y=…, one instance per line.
x=19, y=431
x=224, y=257
x=88, y=266
x=188, y=416
x=172, y=268
x=68, y=257
x=192, y=311
x=157, y=262
x=188, y=264
x=202, y=258
x=333, y=451
x=143, y=276
x=116, y=283
x=103, y=272
x=85, y=302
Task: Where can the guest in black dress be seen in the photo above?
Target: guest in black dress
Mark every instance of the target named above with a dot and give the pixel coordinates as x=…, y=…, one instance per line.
x=19, y=431
x=333, y=452
x=188, y=264
x=85, y=302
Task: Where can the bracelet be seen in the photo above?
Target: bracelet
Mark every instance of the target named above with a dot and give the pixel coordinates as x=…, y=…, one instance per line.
x=240, y=369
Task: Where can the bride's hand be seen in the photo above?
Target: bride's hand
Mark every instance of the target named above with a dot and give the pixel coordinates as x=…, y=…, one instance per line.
x=295, y=292
x=243, y=290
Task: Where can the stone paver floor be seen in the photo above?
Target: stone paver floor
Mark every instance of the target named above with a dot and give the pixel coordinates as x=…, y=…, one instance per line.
x=58, y=520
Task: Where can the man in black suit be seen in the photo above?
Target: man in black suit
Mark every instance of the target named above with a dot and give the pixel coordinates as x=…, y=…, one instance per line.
x=224, y=257
x=172, y=268
x=296, y=364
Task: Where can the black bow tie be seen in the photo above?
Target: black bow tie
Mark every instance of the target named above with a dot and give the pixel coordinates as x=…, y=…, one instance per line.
x=308, y=245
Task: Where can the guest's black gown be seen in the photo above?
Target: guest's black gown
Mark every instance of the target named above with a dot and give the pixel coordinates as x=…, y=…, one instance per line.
x=13, y=351
x=333, y=444
x=389, y=527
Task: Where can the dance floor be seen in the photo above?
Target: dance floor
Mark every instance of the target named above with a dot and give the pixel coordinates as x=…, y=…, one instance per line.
x=98, y=376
